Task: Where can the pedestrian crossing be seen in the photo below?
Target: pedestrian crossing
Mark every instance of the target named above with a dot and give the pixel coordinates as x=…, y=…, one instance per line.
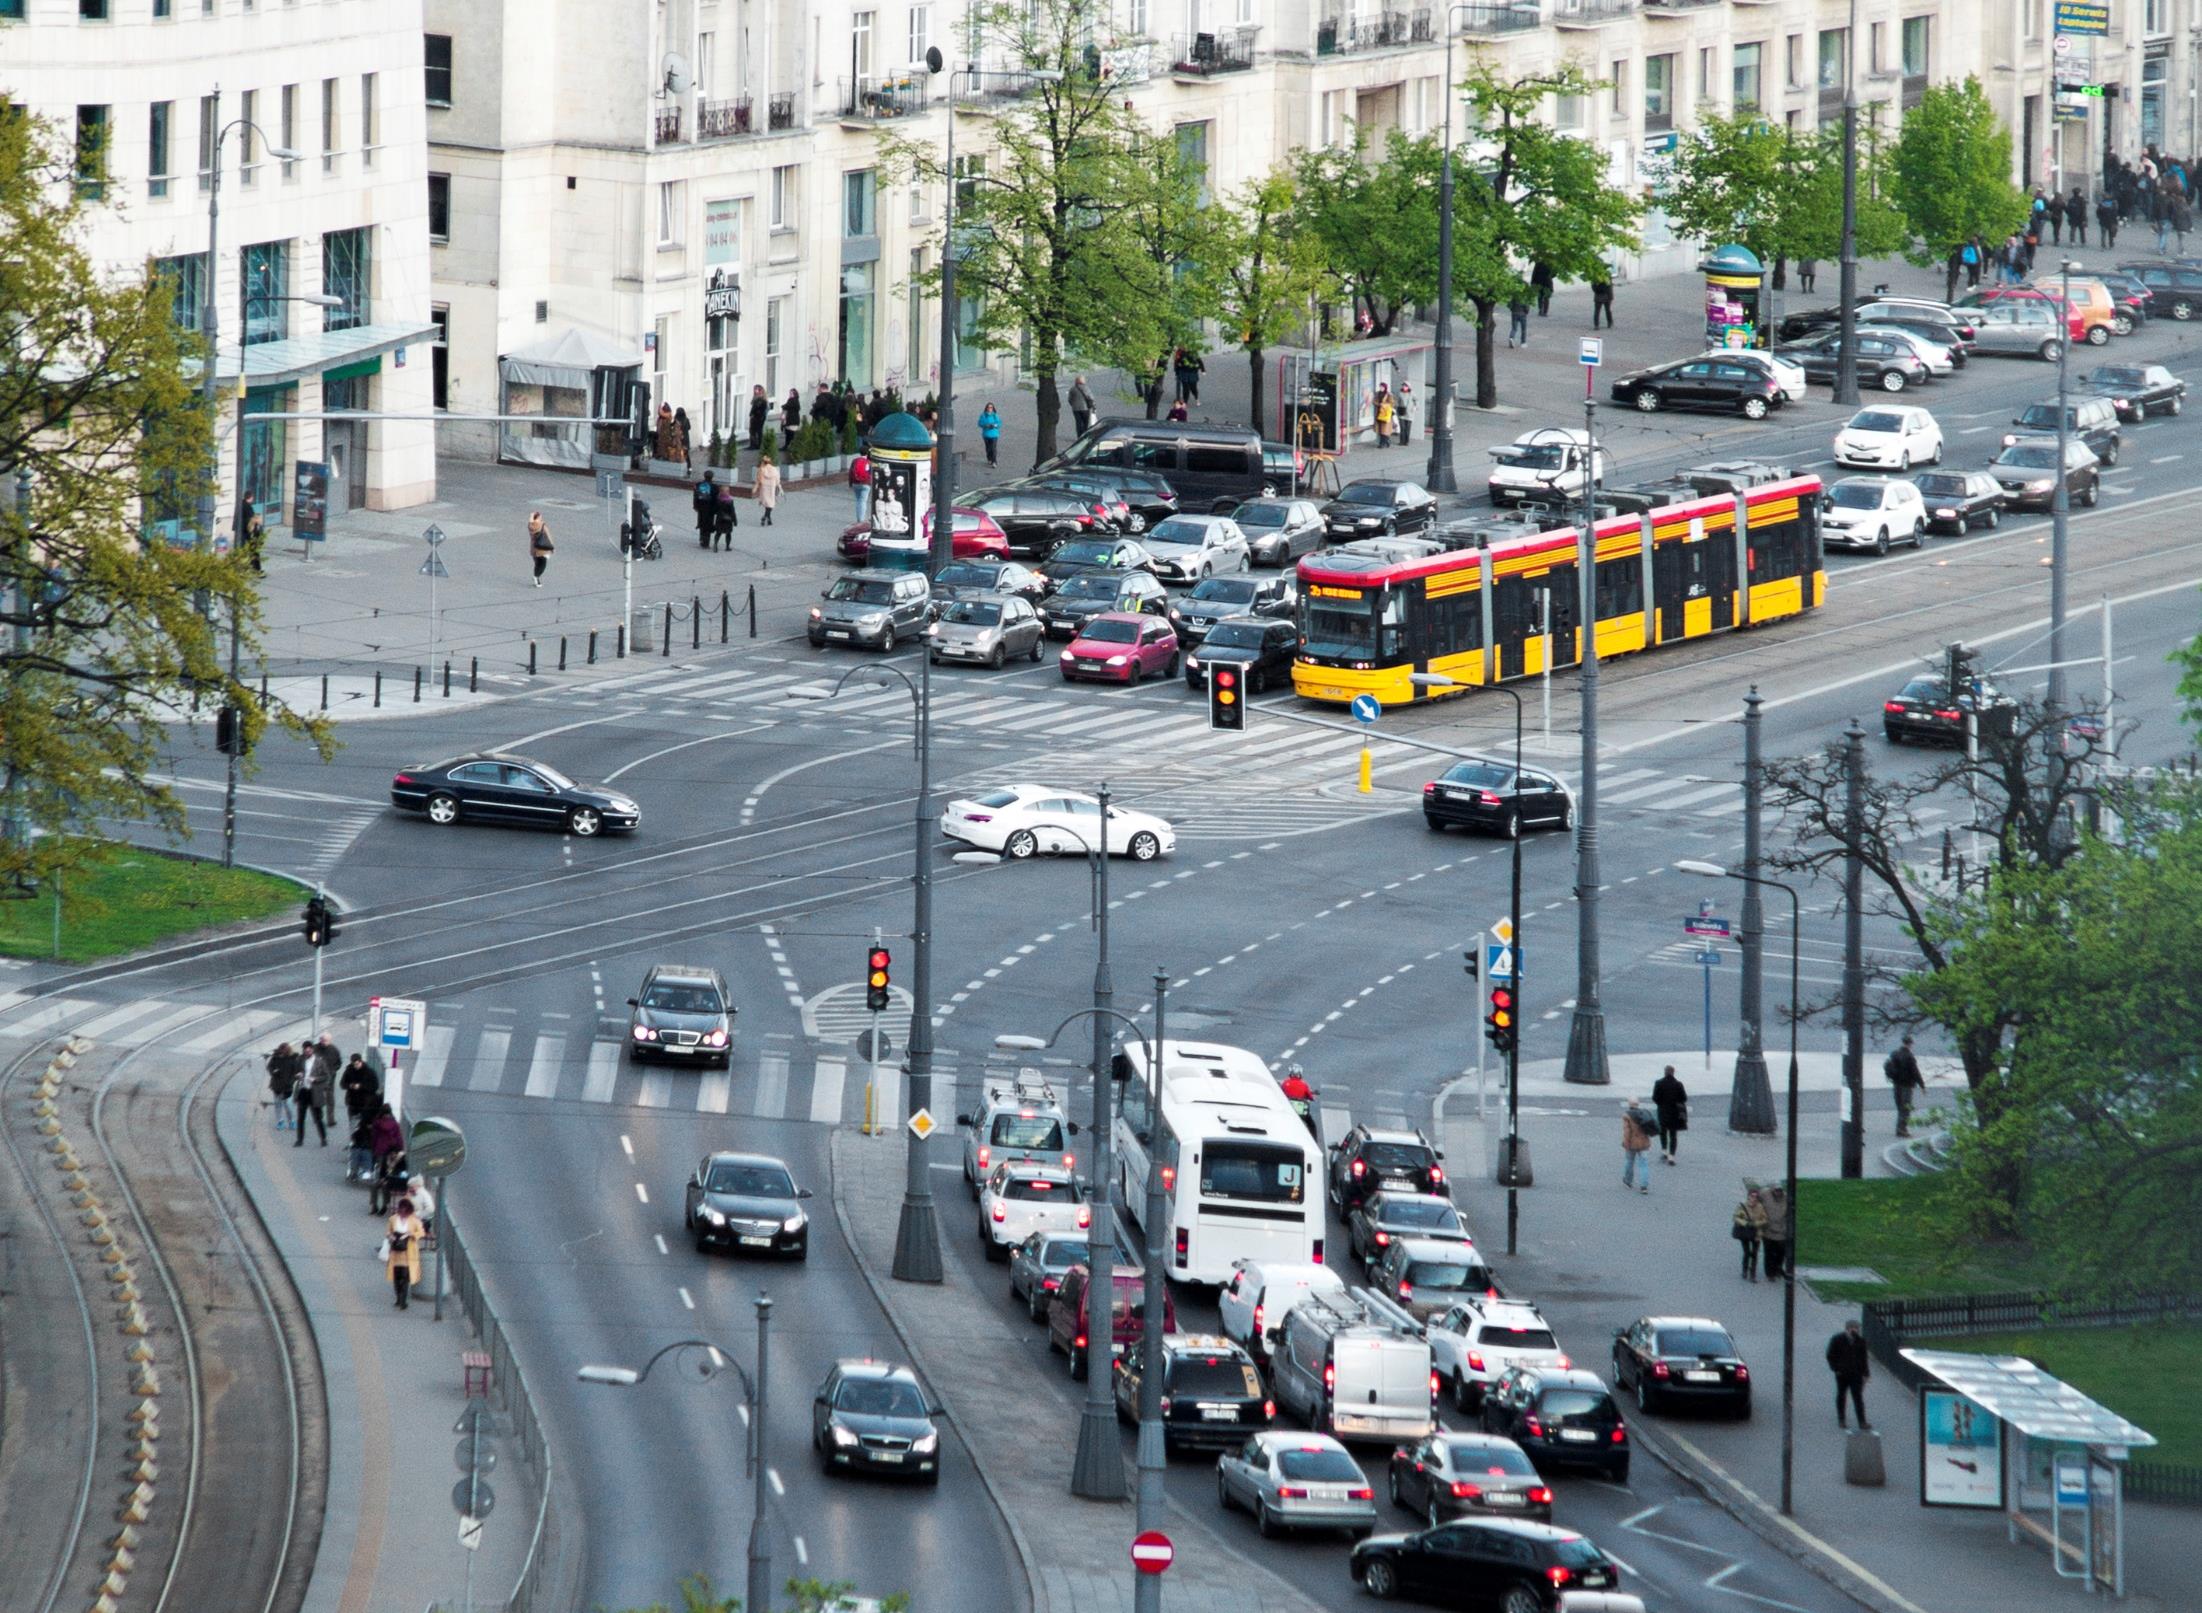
x=140, y=1023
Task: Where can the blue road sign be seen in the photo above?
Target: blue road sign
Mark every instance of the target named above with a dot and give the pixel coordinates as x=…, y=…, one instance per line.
x=1367, y=708
x=1708, y=958
x=1498, y=961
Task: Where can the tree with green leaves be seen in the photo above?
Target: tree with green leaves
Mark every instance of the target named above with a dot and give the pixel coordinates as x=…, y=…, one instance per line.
x=1040, y=212
x=1375, y=222
x=1734, y=177
x=101, y=434
x=1953, y=176
x=1529, y=195
x=1274, y=272
x=1814, y=226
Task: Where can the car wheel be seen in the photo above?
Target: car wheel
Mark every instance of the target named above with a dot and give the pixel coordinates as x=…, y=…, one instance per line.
x=2094, y=494
x=1391, y=1483
x=1881, y=543
x=887, y=640
x=2110, y=456
x=1077, y=1363
x=1892, y=380
x=1223, y=1490
x=584, y=822
x=1145, y=848
x=2052, y=350
x=1170, y=671
x=1522, y=1599
x=1918, y=534
x=1903, y=462
x=1567, y=816
x=1138, y=522
x=1994, y=519
x=443, y=809
x=1038, y=645
x=1256, y=681
x=2175, y=406
x=1264, y=1520
x=1964, y=525
x=1754, y=408
x=1001, y=654
x=933, y=656
x=2098, y=336
x=1647, y=401
x=1512, y=826
x=2122, y=325
x=1020, y=845
x=1135, y=673
x=1430, y=1514
x=1461, y=1402
x=1621, y=1471
x=1644, y=1399
x=1895, y=735
x=1380, y=1579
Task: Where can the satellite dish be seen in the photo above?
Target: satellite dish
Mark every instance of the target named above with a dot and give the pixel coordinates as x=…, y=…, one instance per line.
x=677, y=76
x=934, y=61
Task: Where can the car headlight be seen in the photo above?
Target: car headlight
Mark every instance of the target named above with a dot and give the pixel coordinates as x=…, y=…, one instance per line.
x=1192, y=663
x=643, y=1033
x=794, y=1223
x=715, y=1039
x=984, y=640
x=1118, y=660
x=1367, y=520
x=1066, y=658
x=713, y=1216
x=2042, y=486
x=816, y=614
x=841, y=1436
x=925, y=1444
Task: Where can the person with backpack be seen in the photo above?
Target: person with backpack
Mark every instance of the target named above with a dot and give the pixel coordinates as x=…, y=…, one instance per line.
x=725, y=518
x=860, y=482
x=1636, y=1140
x=540, y=546
x=705, y=499
x=1902, y=1069
x=2106, y=219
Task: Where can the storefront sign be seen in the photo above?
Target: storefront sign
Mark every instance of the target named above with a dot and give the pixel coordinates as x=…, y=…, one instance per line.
x=2082, y=17
x=1960, y=1452
x=310, y=501
x=722, y=293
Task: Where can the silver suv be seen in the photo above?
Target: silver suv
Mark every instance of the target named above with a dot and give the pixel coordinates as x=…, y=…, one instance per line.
x=683, y=1013
x=1019, y=1119
x=871, y=610
x=2013, y=325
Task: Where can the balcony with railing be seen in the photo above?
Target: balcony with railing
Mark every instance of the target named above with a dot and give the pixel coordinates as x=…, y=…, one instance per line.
x=1497, y=17
x=878, y=99
x=1206, y=55
x=1831, y=103
x=1339, y=34
x=1677, y=8
x=1914, y=89
x=780, y=111
x=726, y=120
x=1581, y=14
x=668, y=126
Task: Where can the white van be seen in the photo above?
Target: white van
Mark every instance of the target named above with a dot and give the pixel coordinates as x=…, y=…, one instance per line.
x=1254, y=1302
x=1355, y=1366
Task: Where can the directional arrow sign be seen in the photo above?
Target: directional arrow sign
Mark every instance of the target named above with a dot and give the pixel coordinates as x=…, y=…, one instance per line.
x=1367, y=708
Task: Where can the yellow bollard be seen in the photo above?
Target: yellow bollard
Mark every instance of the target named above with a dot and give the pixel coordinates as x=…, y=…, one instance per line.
x=1367, y=781
x=870, y=1128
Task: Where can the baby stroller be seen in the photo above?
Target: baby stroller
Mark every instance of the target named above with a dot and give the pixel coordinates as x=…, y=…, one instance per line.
x=359, y=1160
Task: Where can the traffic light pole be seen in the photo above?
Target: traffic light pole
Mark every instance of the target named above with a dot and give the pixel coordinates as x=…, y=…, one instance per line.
x=320, y=894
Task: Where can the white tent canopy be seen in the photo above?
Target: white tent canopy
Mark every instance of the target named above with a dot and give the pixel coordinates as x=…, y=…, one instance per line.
x=572, y=374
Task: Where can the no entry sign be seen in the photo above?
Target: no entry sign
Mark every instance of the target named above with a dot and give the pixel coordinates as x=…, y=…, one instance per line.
x=1152, y=1551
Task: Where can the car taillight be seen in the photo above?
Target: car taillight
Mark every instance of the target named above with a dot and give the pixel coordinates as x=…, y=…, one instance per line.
x=1466, y=1492
x=1050, y=1284
x=1364, y=1493
x=1475, y=1360
x=404, y=778
x=978, y=817
x=1437, y=1174
x=1659, y=1369
x=1488, y=797
x=1430, y=788
x=1291, y=1492
x=985, y=1154
x=1184, y=1246
x=1269, y=1410
x=1383, y=1239
x=1000, y=1213
x=1540, y=1496
x=1896, y=706
x=1949, y=716
x=1620, y=1434
x=1360, y=1167
x=1533, y=1428
x=1316, y=1257
x=1257, y=1321
x=1169, y=1178
x=1406, y=1289
x=1433, y=1388
x=1085, y=1216
x=1165, y=1405
x=1330, y=1378
x=1743, y=1373
x=1559, y=1574
x=1070, y=1162
x=1080, y=1341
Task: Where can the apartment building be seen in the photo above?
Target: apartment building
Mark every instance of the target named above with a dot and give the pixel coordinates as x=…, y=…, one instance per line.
x=154, y=92
x=695, y=187
x=2147, y=65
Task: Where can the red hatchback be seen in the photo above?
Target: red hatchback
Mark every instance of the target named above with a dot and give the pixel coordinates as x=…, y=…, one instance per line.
x=978, y=536
x=1120, y=647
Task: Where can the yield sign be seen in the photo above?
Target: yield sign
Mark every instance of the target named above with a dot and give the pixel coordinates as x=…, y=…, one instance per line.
x=1152, y=1551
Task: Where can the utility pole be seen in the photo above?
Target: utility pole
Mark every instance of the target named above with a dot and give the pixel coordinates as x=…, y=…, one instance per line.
x=1097, y=1471
x=1440, y=476
x=1515, y=1173
x=1153, y=1459
x=917, y=1236
x=760, y=1549
x=1586, y=1032
x=2060, y=515
x=1751, y=1097
x=17, y=832
x=1846, y=359
x=1854, y=968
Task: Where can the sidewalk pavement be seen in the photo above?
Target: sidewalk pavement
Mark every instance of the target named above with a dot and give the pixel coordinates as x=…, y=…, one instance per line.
x=389, y=1542
x=1594, y=1256
x=1012, y=1402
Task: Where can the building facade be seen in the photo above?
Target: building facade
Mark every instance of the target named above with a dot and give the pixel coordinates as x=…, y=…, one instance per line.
x=2140, y=78
x=321, y=275
x=698, y=181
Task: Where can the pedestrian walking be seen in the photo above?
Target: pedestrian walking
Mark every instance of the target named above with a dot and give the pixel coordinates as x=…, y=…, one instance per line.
x=760, y=407
x=1748, y=1227
x=401, y=1254
x=1081, y=406
x=1384, y=415
x=1775, y=1254
x=860, y=485
x=252, y=536
x=1540, y=281
x=284, y=1066
x=1402, y=413
x=1636, y=1141
x=1808, y=270
x=386, y=1142
x=2106, y=219
x=329, y=1065
x=1672, y=1103
x=1902, y=1069
x=1852, y=1363
x=725, y=518
x=305, y=1098
x=2075, y=215
x=1189, y=368
x=768, y=488
x=362, y=1090
x=791, y=419
x=1601, y=301
x=704, y=499
x=990, y=432
x=540, y=547
x=1517, y=313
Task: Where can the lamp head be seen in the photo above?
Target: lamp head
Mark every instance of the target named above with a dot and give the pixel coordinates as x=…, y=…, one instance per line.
x=1691, y=865
x=1010, y=1042
x=618, y=1377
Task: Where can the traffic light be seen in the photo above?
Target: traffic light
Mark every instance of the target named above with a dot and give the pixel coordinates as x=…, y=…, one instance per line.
x=229, y=732
x=875, y=980
x=1498, y=1024
x=320, y=924
x=1227, y=698
x=1959, y=668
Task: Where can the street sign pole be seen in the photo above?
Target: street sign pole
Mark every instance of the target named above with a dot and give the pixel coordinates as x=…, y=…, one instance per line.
x=1366, y=709
x=1483, y=994
x=1705, y=967
x=320, y=894
x=627, y=571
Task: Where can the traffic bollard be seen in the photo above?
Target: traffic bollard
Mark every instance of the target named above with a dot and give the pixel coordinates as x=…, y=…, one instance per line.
x=561, y=652
x=378, y=688
x=447, y=679
x=665, y=639
x=474, y=674
x=592, y=647
x=416, y=685
x=623, y=641
x=695, y=622
x=531, y=658
x=752, y=610
x=726, y=616
x=324, y=691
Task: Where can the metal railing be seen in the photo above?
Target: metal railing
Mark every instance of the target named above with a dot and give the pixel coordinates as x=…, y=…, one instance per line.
x=1336, y=35
x=1592, y=13
x=723, y=120
x=1204, y=55
x=1504, y=17
x=780, y=110
x=880, y=98
x=667, y=126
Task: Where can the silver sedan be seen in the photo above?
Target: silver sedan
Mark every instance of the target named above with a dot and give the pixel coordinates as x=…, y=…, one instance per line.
x=989, y=628
x=1292, y=1480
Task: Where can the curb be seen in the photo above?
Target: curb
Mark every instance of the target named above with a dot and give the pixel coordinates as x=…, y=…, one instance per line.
x=1027, y=1564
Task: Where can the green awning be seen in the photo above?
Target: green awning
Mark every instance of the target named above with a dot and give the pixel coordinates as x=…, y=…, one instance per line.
x=352, y=372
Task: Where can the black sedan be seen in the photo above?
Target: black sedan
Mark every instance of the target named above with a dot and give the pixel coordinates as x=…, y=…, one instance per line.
x=1959, y=500
x=1097, y=554
x=2137, y=389
x=1280, y=530
x=1482, y=795
x=1139, y=498
x=1499, y=1563
x=1453, y=1475
x=2027, y=472
x=1724, y=384
x=492, y=787
x=1372, y=506
x=1263, y=651
x=1035, y=519
x=1887, y=362
x=1923, y=711
x=871, y=1417
x=1680, y=1359
x=966, y=579
x=748, y=1202
x=1065, y=612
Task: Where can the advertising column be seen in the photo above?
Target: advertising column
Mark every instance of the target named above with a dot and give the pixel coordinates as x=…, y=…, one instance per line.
x=902, y=492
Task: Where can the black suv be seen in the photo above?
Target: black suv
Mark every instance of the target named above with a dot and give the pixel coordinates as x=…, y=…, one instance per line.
x=1500, y=1563
x=1211, y=1395
x=1210, y=466
x=1145, y=497
x=1215, y=598
x=1263, y=650
x=1680, y=1358
x=1559, y=1415
x=2089, y=420
x=2174, y=288
x=1366, y=1160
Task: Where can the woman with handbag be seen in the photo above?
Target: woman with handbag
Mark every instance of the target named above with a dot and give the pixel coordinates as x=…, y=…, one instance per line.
x=1748, y=1226
x=1672, y=1103
x=401, y=1252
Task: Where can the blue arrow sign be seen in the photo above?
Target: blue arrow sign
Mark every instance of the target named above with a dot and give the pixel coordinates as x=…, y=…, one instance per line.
x=1498, y=961
x=1709, y=958
x=1367, y=708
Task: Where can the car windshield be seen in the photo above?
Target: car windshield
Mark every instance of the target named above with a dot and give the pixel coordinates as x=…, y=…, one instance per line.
x=2040, y=414
x=982, y=613
x=1086, y=552
x=1949, y=486
x=1413, y=1215
x=1042, y=1190
x=1088, y=588
x=1577, y=1552
x=1574, y=1402
x=1236, y=636
x=880, y=1397
x=1060, y=1254
x=1174, y=531
x=962, y=577
x=1695, y=1341
x=1856, y=495
x=750, y=1181
x=1396, y=1158
x=1505, y=1336
x=1027, y=1131
x=1532, y=455
x=1227, y=590
x=1483, y=775
x=2030, y=456
x=1259, y=515
x=1922, y=689
x=2118, y=375
x=1877, y=420
x=1214, y=1377
x=1499, y=1461
x=1107, y=632
x=1365, y=493
x=1267, y=1173
x=1319, y=1466
x=1444, y=1275
x=675, y=997
x=863, y=590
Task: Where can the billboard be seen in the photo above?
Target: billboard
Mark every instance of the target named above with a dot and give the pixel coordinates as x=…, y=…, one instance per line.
x=1960, y=1452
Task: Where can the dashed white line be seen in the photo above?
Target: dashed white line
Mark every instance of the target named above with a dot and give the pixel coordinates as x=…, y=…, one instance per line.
x=627, y=1145
x=642, y=1193
x=659, y=1239
x=688, y=1299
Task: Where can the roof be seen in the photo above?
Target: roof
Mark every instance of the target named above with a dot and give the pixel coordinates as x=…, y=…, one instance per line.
x=294, y=358
x=902, y=431
x=1686, y=1321
x=735, y=1156
x=2029, y=1399
x=1201, y=1343
x=1435, y=1248
x=1394, y=1134
x=702, y=971
x=574, y=348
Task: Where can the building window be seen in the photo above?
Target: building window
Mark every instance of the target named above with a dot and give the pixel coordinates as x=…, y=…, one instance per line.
x=266, y=269
x=2155, y=17
x=366, y=120
x=185, y=278
x=161, y=116
x=439, y=207
x=1834, y=58
x=332, y=130
x=162, y=10
x=248, y=138
x=1568, y=111
x=2030, y=18
x=855, y=347
x=1192, y=152
x=347, y=273
x=91, y=148
x=776, y=324
x=1795, y=62
x=210, y=125
x=91, y=10
x=1917, y=34
x=1138, y=17
x=436, y=66
x=914, y=356
x=860, y=46
x=859, y=203
x=1706, y=58
x=1619, y=73
x=1743, y=77
x=290, y=129
x=669, y=212
x=921, y=33
x=1658, y=93
x=780, y=213
x=439, y=358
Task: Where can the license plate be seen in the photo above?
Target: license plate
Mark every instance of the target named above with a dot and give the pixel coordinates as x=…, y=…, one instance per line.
x=886, y=1456
x=1503, y=1498
x=1219, y=1414
x=1701, y=1377
x=837, y=632
x=756, y=1243
x=1580, y=1436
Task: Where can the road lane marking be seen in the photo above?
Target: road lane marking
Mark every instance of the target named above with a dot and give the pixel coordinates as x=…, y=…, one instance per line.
x=642, y=1193
x=603, y=1072
x=550, y=1058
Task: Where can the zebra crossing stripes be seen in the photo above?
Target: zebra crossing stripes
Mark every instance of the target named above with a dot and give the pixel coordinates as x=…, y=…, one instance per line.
x=550, y=1055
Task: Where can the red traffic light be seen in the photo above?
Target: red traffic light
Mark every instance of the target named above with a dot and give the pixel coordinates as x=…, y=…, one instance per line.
x=875, y=974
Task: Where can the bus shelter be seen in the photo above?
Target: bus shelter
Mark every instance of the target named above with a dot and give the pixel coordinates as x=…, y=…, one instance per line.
x=1326, y=398
x=2002, y=1433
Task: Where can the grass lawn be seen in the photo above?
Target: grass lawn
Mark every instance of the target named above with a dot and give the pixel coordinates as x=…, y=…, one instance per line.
x=128, y=898
x=2145, y=1374
x=1892, y=1224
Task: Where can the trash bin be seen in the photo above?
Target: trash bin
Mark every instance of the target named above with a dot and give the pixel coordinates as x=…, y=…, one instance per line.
x=641, y=629
x=1862, y=1463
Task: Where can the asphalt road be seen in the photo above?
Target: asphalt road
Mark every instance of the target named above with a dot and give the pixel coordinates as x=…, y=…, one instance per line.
x=1297, y=918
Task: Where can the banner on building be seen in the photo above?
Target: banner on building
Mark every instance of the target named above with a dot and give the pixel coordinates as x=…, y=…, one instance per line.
x=2082, y=17
x=722, y=231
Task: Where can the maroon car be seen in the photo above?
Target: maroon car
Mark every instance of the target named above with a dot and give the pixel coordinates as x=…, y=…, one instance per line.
x=978, y=536
x=1119, y=647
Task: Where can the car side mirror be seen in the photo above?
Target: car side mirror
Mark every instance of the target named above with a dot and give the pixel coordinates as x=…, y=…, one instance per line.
x=819, y=1401
x=1619, y=1334
x=634, y=1002
x=967, y=1120
x=1439, y=1152
x=934, y=1409
x=802, y=1192
x=1071, y=1127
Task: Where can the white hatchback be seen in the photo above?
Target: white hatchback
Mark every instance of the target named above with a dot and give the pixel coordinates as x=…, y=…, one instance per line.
x=1889, y=437
x=1022, y=820
x=1187, y=548
x=1785, y=374
x=1873, y=512
x=1020, y=1199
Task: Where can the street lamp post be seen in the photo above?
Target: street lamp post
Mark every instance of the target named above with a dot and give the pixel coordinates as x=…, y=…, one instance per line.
x=1586, y=1032
x=1154, y=1458
x=2060, y=509
x=1440, y=476
x=1846, y=357
x=1751, y=1097
x=1789, y=1179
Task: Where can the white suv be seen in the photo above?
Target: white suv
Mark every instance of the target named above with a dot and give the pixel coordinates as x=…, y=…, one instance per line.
x=1020, y=1199
x=1475, y=1340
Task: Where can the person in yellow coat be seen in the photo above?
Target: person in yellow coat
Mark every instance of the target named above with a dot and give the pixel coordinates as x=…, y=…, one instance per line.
x=402, y=1243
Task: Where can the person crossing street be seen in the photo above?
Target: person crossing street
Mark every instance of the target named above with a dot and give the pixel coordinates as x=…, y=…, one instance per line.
x=1902, y=1069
